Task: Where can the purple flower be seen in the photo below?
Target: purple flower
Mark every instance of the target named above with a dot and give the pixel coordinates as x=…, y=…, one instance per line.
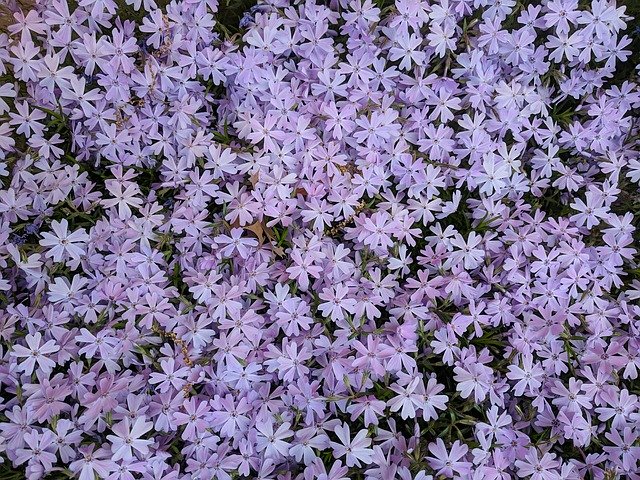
x=127, y=438
x=261, y=253
x=355, y=449
x=447, y=461
x=36, y=353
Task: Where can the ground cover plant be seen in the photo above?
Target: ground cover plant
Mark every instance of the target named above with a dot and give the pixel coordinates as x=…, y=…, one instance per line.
x=304, y=240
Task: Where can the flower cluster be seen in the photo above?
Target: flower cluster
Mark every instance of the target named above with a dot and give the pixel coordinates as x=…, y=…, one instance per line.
x=348, y=239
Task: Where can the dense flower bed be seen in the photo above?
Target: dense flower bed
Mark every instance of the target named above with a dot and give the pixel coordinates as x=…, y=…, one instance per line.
x=350, y=240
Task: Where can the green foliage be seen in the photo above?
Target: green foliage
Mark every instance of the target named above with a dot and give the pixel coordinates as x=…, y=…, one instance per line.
x=626, y=70
x=230, y=13
x=127, y=12
x=7, y=472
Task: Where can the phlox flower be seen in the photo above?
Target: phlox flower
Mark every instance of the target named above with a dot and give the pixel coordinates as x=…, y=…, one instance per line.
x=540, y=468
x=447, y=461
x=127, y=438
x=354, y=449
x=273, y=443
x=36, y=353
x=62, y=243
